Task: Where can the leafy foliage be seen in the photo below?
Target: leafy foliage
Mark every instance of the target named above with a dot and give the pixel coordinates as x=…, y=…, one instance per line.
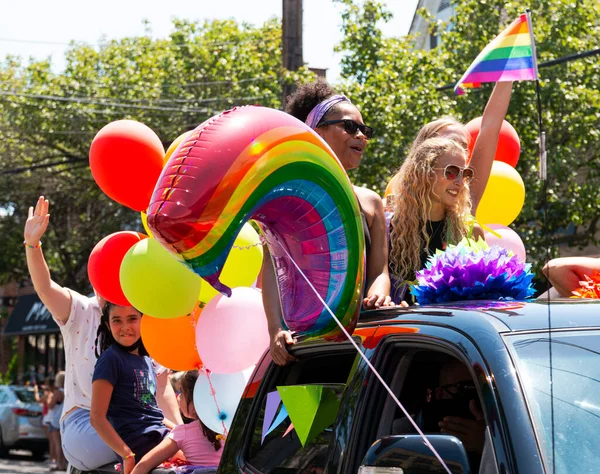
x=47, y=123
x=397, y=89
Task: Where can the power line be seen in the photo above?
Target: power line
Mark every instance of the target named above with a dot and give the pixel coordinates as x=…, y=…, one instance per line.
x=167, y=84
x=84, y=100
x=24, y=169
x=99, y=101
x=168, y=43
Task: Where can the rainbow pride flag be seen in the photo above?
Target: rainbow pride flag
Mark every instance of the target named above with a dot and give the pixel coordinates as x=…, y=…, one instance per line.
x=509, y=57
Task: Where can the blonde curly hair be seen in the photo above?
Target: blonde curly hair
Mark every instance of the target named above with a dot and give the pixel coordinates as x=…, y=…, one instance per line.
x=412, y=189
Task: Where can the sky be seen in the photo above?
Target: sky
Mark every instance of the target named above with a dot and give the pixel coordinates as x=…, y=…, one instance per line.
x=42, y=28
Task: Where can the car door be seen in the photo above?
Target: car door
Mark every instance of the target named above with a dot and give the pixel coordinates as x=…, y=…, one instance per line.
x=398, y=353
x=6, y=416
x=263, y=438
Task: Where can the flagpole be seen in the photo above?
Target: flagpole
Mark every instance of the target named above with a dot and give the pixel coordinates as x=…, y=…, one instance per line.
x=543, y=171
x=543, y=174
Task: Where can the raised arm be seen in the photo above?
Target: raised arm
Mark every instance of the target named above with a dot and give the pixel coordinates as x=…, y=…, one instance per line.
x=487, y=140
x=280, y=338
x=101, y=394
x=56, y=298
x=167, y=400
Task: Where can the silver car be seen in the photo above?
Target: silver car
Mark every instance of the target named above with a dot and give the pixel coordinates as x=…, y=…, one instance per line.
x=21, y=421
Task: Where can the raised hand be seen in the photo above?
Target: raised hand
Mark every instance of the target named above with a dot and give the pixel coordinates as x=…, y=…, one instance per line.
x=37, y=222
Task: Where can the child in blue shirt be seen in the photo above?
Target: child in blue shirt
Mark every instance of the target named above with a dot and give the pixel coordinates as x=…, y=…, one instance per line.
x=124, y=411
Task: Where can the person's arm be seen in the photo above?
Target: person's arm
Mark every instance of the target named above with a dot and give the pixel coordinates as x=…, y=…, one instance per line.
x=52, y=400
x=167, y=401
x=280, y=338
x=377, y=281
x=161, y=453
x=56, y=298
x=566, y=273
x=485, y=146
x=101, y=393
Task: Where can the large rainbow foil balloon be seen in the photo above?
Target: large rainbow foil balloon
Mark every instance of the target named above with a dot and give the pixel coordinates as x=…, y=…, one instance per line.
x=263, y=164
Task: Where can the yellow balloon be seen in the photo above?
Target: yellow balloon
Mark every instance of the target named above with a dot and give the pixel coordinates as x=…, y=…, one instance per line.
x=174, y=146
x=389, y=189
x=145, y=224
x=504, y=196
x=156, y=282
x=242, y=265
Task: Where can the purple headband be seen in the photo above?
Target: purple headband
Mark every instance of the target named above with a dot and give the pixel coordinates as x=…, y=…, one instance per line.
x=319, y=111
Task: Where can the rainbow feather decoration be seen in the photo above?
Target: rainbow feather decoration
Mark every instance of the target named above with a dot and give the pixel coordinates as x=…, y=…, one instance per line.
x=472, y=270
x=263, y=164
x=510, y=56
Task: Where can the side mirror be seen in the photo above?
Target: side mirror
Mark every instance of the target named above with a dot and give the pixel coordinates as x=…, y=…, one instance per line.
x=408, y=454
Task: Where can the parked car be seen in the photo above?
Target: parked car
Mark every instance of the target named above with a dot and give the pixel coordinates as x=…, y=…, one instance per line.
x=21, y=421
x=510, y=357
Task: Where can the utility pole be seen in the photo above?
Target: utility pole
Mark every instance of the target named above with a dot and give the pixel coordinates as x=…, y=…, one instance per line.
x=291, y=40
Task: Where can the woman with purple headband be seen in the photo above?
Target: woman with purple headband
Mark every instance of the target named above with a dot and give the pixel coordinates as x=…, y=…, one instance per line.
x=340, y=124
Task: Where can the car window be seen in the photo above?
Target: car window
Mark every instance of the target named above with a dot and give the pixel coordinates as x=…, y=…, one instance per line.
x=3, y=396
x=432, y=385
x=281, y=451
x=24, y=395
x=576, y=393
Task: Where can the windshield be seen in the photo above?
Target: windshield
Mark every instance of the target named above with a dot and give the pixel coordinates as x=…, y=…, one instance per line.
x=25, y=395
x=576, y=382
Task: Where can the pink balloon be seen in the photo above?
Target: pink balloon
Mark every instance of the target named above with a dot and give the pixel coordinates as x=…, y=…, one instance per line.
x=232, y=333
x=509, y=240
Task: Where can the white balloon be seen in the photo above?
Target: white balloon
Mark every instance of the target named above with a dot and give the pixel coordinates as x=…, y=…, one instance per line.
x=217, y=411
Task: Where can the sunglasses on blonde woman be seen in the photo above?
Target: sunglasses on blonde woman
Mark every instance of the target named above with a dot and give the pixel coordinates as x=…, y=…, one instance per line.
x=451, y=172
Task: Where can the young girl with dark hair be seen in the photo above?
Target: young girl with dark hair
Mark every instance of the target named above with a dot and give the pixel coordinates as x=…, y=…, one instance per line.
x=124, y=411
x=200, y=445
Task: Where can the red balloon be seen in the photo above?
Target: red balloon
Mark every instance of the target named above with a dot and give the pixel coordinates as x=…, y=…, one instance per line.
x=126, y=159
x=105, y=262
x=509, y=145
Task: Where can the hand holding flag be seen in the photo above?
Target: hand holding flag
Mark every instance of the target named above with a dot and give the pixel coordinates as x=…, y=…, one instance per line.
x=510, y=56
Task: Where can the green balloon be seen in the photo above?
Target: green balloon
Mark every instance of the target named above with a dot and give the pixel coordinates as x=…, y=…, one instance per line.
x=242, y=265
x=157, y=283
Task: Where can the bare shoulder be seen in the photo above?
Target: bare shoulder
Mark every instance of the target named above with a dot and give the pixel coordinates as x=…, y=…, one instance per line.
x=369, y=200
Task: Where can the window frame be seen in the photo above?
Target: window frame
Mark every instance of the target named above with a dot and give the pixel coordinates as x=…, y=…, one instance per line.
x=272, y=373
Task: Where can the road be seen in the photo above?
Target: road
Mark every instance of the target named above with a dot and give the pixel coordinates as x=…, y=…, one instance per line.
x=21, y=462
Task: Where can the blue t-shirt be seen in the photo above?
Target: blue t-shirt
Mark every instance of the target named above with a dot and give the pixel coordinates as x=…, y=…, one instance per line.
x=133, y=409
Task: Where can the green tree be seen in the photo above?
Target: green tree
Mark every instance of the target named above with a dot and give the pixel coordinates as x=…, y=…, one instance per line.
x=397, y=89
x=47, y=123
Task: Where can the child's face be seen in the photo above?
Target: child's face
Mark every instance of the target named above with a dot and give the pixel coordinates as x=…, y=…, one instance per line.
x=186, y=408
x=125, y=324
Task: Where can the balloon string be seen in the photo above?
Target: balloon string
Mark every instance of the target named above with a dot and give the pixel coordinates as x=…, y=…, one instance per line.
x=214, y=395
x=368, y=362
x=248, y=247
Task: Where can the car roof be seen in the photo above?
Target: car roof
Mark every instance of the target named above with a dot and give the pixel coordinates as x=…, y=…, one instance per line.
x=504, y=316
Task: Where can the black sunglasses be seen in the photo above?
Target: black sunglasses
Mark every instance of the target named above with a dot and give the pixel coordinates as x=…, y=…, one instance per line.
x=351, y=127
x=451, y=172
x=456, y=390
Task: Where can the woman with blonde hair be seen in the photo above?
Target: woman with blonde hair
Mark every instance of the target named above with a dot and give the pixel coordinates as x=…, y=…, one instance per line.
x=437, y=189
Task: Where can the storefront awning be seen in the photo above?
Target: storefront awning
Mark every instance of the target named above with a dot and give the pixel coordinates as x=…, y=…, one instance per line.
x=30, y=316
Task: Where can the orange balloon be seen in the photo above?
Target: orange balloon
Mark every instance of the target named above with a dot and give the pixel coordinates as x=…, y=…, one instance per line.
x=172, y=342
